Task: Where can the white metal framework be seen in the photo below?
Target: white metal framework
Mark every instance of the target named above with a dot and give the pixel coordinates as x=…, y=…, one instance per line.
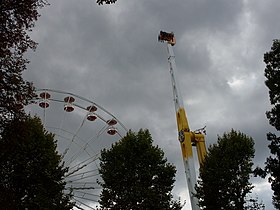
x=82, y=129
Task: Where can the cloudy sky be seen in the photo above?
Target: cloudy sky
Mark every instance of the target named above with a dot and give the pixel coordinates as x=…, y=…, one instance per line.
x=110, y=54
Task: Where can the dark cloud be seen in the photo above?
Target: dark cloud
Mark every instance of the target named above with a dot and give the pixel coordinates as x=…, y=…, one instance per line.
x=110, y=54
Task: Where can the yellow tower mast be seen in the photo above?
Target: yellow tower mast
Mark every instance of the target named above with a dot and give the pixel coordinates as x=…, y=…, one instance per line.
x=186, y=137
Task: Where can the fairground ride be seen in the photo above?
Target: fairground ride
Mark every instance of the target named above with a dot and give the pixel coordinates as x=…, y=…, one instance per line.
x=187, y=138
x=81, y=128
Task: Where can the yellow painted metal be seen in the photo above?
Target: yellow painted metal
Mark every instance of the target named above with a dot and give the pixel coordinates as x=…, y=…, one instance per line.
x=188, y=138
x=184, y=133
x=199, y=141
x=182, y=121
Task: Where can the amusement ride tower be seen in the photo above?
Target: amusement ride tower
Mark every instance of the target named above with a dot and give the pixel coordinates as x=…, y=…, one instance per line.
x=187, y=138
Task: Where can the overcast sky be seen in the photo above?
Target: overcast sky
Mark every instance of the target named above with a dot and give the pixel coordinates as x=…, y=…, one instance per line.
x=110, y=54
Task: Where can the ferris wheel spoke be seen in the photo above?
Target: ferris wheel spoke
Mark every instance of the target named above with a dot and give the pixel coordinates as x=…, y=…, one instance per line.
x=81, y=176
x=83, y=148
x=68, y=139
x=44, y=117
x=74, y=136
x=85, y=177
x=63, y=137
x=84, y=198
x=82, y=173
x=85, y=162
x=80, y=166
x=78, y=207
x=75, y=156
x=80, y=152
x=82, y=203
x=83, y=186
x=60, y=129
x=87, y=193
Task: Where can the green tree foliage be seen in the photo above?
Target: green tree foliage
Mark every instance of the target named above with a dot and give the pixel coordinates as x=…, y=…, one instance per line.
x=136, y=175
x=31, y=172
x=225, y=173
x=272, y=73
x=17, y=18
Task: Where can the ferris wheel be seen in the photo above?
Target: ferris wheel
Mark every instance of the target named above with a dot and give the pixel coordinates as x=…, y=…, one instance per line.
x=82, y=129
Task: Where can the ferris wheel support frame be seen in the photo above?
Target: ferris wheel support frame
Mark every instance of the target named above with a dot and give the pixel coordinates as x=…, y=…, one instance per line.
x=77, y=154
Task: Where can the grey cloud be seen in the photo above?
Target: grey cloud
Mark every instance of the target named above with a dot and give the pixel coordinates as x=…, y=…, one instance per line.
x=110, y=54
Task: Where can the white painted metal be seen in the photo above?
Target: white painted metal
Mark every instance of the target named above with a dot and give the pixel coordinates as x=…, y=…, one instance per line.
x=178, y=101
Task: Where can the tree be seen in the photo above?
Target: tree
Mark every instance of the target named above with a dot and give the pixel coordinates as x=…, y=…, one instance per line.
x=272, y=73
x=31, y=171
x=224, y=176
x=136, y=175
x=17, y=18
